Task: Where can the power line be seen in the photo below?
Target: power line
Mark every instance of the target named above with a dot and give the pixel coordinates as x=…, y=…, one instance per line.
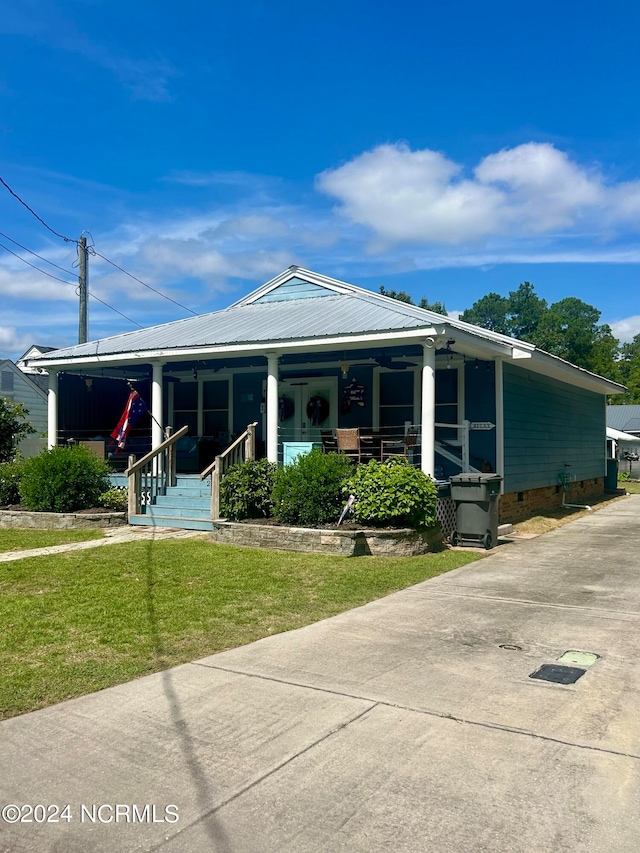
x=15, y=242
x=33, y=266
x=70, y=283
x=39, y=218
x=91, y=249
x=143, y=283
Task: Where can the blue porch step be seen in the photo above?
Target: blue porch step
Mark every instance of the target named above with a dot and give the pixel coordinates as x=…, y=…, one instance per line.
x=186, y=505
x=166, y=521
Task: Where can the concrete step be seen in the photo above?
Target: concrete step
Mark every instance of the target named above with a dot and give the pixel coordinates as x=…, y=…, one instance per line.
x=168, y=521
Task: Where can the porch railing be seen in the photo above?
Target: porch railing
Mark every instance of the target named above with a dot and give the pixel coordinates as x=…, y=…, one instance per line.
x=242, y=449
x=150, y=476
x=455, y=450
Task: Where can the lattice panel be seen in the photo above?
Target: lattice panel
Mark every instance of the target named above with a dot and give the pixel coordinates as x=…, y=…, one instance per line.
x=446, y=515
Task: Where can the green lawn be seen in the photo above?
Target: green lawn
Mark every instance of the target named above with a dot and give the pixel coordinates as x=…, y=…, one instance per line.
x=85, y=620
x=632, y=488
x=23, y=540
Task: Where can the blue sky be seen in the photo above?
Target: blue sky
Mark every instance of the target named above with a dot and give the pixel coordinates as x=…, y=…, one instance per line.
x=445, y=150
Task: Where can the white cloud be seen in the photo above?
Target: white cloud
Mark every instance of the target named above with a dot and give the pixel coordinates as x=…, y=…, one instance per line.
x=627, y=328
x=12, y=342
x=422, y=197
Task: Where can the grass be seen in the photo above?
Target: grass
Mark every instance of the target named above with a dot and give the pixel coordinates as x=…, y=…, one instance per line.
x=86, y=620
x=632, y=488
x=21, y=540
x=554, y=518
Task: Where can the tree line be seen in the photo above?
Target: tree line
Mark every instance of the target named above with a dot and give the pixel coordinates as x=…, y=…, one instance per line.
x=569, y=329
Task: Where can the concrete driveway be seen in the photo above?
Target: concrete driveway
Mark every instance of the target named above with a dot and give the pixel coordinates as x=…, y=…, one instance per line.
x=400, y=726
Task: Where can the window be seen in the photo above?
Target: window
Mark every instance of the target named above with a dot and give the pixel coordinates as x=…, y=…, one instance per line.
x=396, y=401
x=185, y=406
x=215, y=407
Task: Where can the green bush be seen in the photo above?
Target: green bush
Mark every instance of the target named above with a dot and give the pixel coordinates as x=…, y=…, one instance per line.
x=310, y=490
x=393, y=494
x=10, y=476
x=63, y=479
x=115, y=498
x=624, y=476
x=245, y=490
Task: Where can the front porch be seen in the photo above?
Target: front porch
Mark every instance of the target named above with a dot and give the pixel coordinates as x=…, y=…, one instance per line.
x=297, y=401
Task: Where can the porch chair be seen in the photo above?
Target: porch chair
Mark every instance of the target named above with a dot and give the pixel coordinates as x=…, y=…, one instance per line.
x=329, y=441
x=399, y=447
x=348, y=441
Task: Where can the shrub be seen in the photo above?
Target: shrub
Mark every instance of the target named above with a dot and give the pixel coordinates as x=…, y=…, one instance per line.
x=245, y=490
x=13, y=428
x=10, y=476
x=115, y=498
x=393, y=493
x=310, y=491
x=63, y=479
x=624, y=476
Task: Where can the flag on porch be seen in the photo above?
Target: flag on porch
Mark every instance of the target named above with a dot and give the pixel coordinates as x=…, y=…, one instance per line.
x=135, y=408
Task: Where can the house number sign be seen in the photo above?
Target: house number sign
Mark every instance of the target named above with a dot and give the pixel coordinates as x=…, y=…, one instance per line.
x=481, y=425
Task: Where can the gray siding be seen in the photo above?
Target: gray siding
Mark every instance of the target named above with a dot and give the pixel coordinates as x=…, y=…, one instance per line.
x=546, y=425
x=24, y=391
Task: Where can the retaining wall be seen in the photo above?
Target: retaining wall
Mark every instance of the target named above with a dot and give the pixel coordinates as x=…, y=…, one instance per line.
x=60, y=520
x=347, y=543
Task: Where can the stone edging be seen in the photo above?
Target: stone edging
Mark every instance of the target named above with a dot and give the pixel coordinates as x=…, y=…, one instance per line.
x=60, y=520
x=403, y=542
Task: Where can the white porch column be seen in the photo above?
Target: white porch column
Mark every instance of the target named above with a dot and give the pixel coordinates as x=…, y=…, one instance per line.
x=428, y=407
x=157, y=432
x=272, y=407
x=52, y=410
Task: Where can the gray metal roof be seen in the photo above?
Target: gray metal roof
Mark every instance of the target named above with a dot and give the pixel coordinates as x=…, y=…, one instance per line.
x=317, y=317
x=624, y=418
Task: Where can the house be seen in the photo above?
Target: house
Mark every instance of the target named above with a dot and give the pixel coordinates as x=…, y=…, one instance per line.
x=32, y=391
x=306, y=354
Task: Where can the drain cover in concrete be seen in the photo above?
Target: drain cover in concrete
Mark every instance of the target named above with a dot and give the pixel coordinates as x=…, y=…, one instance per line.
x=558, y=674
x=579, y=658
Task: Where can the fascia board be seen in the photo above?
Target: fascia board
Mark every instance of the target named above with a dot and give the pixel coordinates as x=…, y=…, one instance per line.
x=343, y=342
x=549, y=365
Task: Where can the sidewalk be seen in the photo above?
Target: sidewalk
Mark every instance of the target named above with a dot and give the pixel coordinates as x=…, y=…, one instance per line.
x=112, y=536
x=410, y=724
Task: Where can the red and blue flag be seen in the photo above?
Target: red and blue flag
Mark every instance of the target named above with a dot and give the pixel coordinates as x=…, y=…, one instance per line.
x=133, y=411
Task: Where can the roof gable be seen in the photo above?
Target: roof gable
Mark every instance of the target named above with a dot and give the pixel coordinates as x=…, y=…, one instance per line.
x=294, y=288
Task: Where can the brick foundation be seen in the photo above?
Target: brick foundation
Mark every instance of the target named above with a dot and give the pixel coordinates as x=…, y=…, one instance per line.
x=535, y=501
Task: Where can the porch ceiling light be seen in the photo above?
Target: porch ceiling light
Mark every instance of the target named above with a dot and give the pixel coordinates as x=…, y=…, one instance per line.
x=345, y=370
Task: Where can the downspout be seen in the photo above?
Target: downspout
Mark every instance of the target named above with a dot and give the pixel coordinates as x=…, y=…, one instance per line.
x=565, y=488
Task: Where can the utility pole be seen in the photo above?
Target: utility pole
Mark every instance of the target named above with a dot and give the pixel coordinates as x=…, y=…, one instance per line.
x=83, y=284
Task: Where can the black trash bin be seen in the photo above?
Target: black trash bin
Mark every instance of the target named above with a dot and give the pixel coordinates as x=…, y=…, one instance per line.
x=476, y=497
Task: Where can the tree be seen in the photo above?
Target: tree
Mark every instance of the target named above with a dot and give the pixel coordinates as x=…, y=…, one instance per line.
x=438, y=307
x=525, y=311
x=13, y=428
x=570, y=330
x=403, y=296
x=400, y=295
x=490, y=312
x=629, y=373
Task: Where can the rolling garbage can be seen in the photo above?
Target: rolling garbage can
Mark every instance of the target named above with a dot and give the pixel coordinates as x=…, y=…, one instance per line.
x=476, y=497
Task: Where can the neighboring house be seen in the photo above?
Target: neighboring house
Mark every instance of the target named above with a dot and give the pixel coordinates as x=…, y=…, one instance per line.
x=32, y=391
x=34, y=351
x=624, y=418
x=306, y=354
x=620, y=444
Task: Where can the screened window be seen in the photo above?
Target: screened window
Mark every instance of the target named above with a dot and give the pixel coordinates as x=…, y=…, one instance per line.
x=396, y=401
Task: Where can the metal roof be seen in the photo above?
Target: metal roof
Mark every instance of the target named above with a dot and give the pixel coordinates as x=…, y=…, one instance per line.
x=348, y=312
x=624, y=418
x=311, y=318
